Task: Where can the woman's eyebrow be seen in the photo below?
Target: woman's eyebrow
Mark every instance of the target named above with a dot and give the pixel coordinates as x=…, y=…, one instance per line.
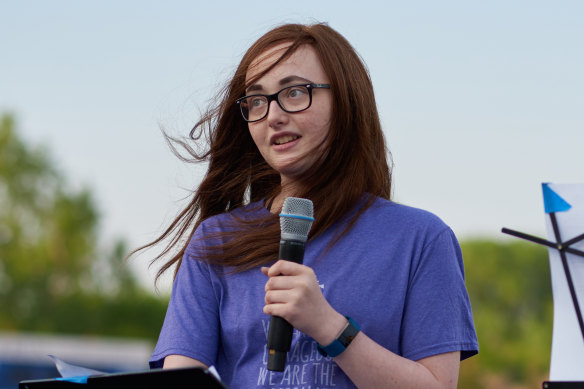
x=289, y=79
x=282, y=82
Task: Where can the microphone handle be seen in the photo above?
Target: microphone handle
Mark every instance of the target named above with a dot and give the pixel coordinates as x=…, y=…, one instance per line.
x=280, y=334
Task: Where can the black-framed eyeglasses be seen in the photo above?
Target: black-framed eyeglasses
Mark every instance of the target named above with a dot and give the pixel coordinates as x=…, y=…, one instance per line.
x=294, y=98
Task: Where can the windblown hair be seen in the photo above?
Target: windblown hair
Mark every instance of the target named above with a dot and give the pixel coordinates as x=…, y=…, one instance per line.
x=355, y=162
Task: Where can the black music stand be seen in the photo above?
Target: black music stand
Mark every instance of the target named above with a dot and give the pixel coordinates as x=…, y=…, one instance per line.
x=563, y=385
x=553, y=203
x=192, y=377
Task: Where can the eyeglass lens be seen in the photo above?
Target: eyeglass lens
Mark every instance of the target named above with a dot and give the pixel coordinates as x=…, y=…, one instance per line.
x=290, y=99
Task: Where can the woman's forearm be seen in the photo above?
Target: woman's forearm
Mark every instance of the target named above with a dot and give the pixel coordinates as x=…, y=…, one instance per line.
x=369, y=365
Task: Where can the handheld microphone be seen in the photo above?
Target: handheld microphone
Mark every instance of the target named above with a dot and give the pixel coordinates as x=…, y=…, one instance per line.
x=295, y=222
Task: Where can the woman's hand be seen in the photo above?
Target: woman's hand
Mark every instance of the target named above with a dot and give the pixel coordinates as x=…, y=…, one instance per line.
x=293, y=293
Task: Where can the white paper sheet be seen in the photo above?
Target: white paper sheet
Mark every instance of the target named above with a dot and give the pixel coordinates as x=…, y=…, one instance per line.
x=567, y=357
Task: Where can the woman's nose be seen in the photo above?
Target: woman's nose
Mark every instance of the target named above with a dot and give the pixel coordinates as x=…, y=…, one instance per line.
x=276, y=115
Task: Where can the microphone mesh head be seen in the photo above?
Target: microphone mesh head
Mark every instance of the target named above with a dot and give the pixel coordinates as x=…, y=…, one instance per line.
x=295, y=219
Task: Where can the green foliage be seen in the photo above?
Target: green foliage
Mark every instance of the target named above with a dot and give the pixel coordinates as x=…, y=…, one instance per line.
x=53, y=275
x=48, y=234
x=126, y=315
x=510, y=292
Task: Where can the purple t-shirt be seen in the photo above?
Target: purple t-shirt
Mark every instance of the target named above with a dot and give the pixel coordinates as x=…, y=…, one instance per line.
x=398, y=273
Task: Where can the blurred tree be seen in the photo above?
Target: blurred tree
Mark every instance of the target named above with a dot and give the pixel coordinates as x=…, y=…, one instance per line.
x=47, y=231
x=53, y=276
x=510, y=291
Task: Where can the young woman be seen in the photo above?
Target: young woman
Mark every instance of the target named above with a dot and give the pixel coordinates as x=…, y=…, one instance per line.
x=299, y=119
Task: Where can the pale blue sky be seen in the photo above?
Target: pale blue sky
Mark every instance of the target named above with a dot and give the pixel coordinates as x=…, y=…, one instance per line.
x=480, y=101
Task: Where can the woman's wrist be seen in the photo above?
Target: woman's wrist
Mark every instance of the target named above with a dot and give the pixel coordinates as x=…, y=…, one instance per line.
x=344, y=340
x=330, y=329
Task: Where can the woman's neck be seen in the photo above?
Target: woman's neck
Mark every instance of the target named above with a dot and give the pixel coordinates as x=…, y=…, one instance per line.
x=288, y=189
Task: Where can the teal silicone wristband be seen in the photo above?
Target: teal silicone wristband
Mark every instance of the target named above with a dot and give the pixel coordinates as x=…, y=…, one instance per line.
x=340, y=344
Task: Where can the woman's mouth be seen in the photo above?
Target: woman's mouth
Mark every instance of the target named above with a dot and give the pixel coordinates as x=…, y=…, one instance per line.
x=285, y=139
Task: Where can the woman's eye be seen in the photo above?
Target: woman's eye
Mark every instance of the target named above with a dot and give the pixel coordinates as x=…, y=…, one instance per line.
x=296, y=92
x=257, y=102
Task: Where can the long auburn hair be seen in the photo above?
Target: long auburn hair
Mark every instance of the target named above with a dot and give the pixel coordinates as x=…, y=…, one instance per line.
x=355, y=162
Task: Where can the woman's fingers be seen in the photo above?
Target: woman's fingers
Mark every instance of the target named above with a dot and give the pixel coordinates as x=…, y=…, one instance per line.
x=287, y=268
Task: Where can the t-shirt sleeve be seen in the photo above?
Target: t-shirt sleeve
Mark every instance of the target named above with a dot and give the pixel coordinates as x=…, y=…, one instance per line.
x=438, y=317
x=191, y=325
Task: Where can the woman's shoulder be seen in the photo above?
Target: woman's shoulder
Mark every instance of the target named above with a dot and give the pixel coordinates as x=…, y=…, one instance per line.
x=395, y=224
x=389, y=218
x=400, y=213
x=210, y=230
x=224, y=220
